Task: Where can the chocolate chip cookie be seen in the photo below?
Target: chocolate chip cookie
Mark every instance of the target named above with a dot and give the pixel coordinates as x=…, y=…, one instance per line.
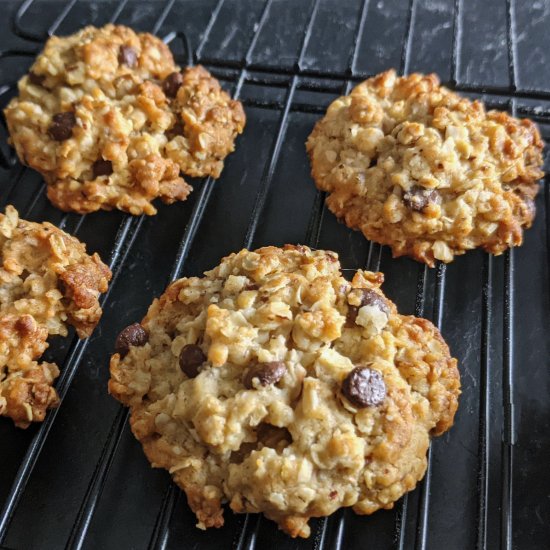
x=110, y=121
x=427, y=172
x=48, y=281
x=274, y=384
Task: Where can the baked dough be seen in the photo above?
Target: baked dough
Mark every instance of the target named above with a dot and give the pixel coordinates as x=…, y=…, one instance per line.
x=431, y=174
x=109, y=120
x=274, y=384
x=47, y=281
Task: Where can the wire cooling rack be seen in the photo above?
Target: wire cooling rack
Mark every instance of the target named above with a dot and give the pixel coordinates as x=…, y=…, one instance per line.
x=80, y=480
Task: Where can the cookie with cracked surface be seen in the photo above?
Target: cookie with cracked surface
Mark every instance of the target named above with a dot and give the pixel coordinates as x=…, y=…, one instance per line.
x=47, y=282
x=110, y=121
x=275, y=385
x=415, y=166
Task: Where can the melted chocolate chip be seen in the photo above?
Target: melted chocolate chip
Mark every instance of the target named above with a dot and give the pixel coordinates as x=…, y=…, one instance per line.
x=172, y=84
x=102, y=167
x=127, y=56
x=266, y=373
x=25, y=325
x=134, y=335
x=352, y=314
x=62, y=126
x=191, y=358
x=368, y=298
x=417, y=198
x=364, y=387
x=36, y=79
x=176, y=130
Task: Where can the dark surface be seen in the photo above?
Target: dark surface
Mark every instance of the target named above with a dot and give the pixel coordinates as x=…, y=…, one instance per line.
x=80, y=479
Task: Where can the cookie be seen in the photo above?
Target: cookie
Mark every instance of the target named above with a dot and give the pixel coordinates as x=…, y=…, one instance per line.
x=275, y=385
x=431, y=174
x=48, y=281
x=110, y=121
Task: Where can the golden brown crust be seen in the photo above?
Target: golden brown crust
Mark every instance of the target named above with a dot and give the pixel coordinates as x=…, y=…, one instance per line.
x=125, y=121
x=28, y=393
x=427, y=172
x=47, y=280
x=442, y=368
x=209, y=118
x=296, y=447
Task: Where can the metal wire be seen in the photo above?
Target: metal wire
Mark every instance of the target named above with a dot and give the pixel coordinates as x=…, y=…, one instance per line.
x=161, y=532
x=424, y=505
x=509, y=438
x=34, y=37
x=127, y=233
x=125, y=237
x=91, y=499
x=484, y=405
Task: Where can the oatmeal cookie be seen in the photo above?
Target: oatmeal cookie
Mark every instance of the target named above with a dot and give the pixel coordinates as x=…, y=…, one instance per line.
x=427, y=172
x=275, y=385
x=47, y=281
x=109, y=120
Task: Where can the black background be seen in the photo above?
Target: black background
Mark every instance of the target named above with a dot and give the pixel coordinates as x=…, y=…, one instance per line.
x=80, y=479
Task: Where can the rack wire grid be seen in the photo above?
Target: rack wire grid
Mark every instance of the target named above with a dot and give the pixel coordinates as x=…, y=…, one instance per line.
x=80, y=480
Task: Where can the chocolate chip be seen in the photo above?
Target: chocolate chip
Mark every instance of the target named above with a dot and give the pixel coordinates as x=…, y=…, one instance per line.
x=176, y=130
x=191, y=358
x=368, y=298
x=36, y=79
x=352, y=314
x=417, y=198
x=62, y=126
x=127, y=56
x=353, y=311
x=102, y=167
x=134, y=335
x=266, y=373
x=364, y=387
x=172, y=84
x=25, y=325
